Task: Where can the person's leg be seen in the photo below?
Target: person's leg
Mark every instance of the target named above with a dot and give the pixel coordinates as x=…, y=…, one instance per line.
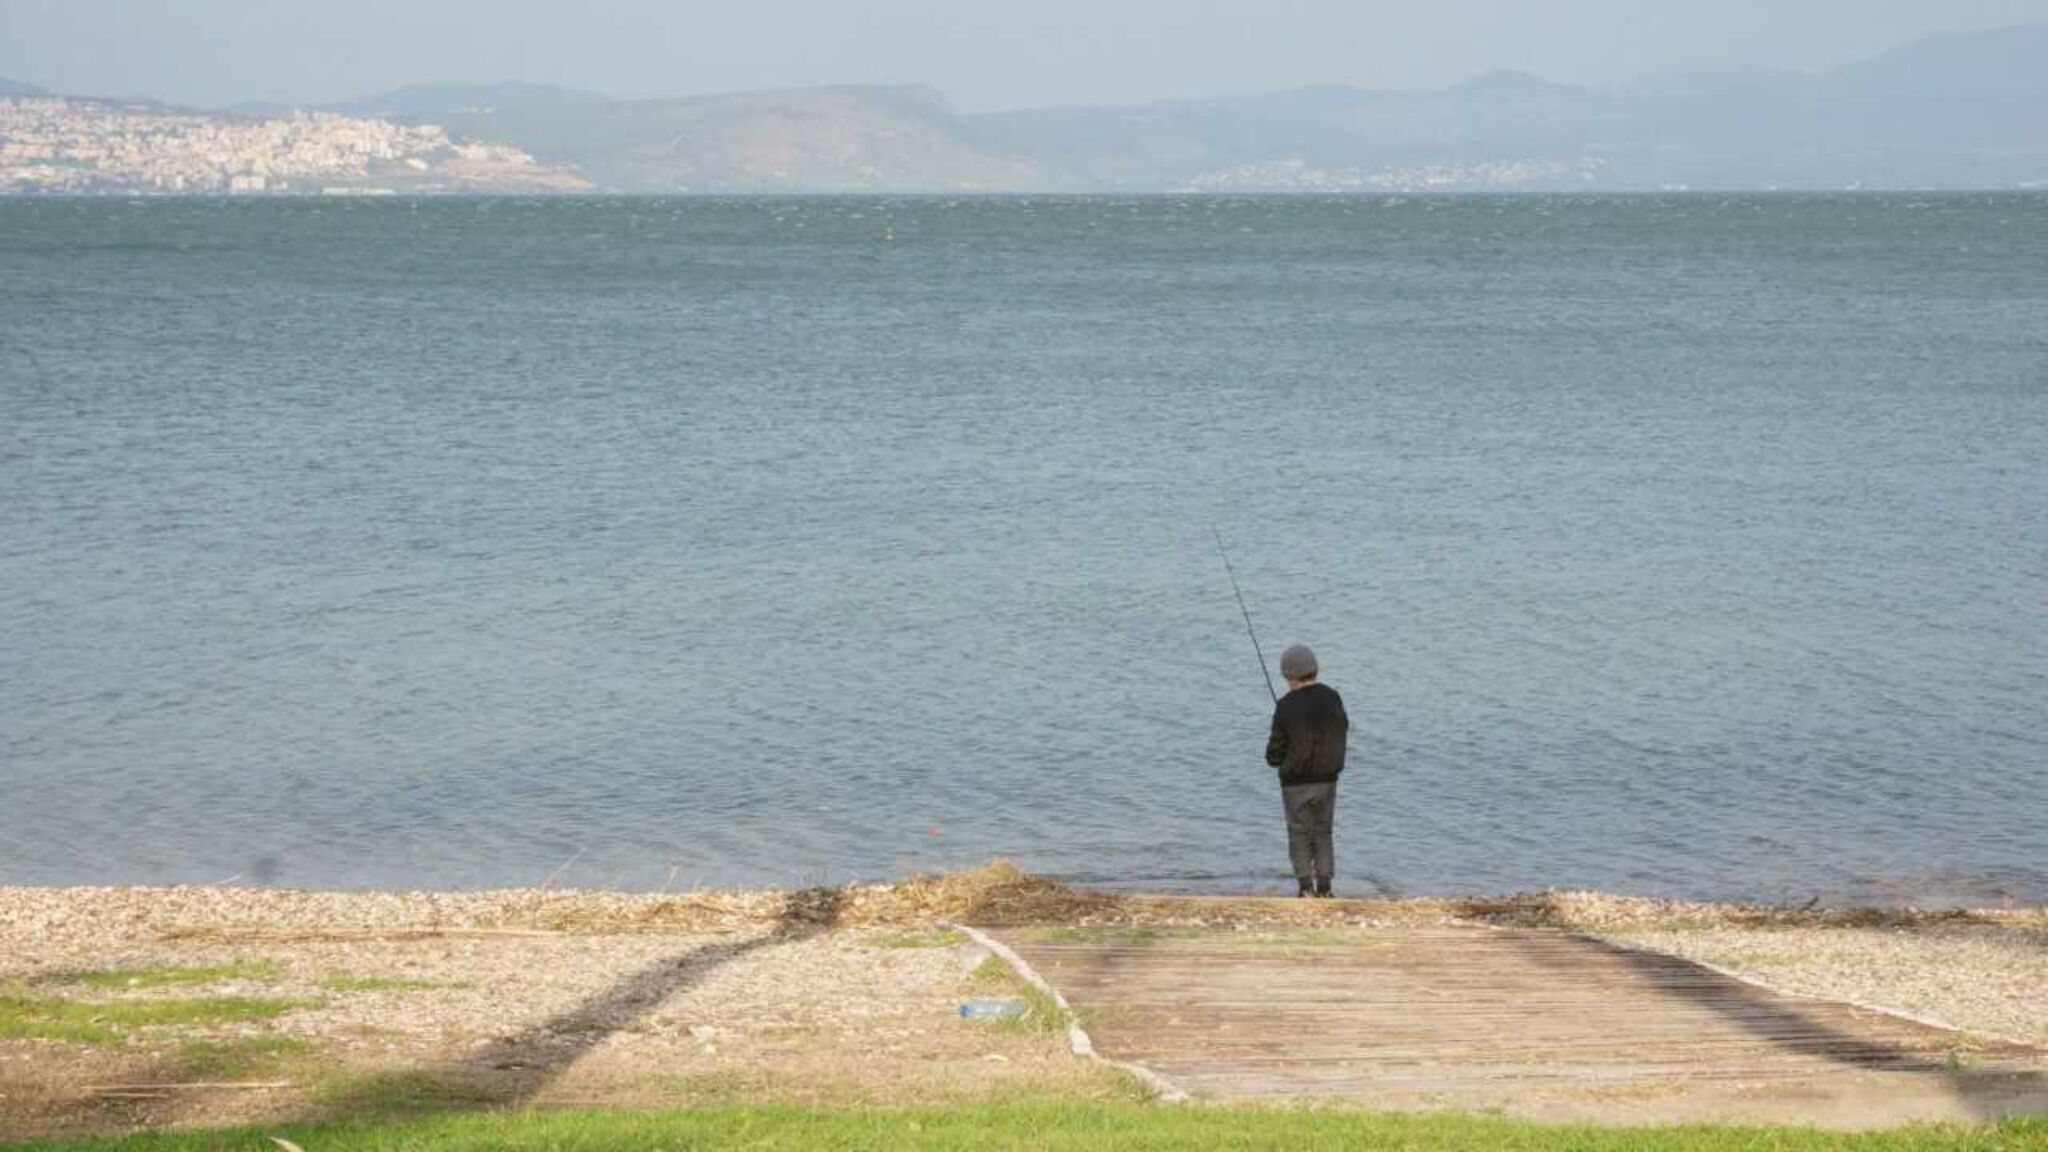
x=1322, y=841
x=1297, y=803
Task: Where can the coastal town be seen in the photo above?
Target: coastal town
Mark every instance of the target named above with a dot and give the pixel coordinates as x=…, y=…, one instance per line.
x=61, y=146
x=1296, y=175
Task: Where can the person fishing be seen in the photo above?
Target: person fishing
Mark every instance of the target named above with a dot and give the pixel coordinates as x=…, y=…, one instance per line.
x=1306, y=744
x=1307, y=747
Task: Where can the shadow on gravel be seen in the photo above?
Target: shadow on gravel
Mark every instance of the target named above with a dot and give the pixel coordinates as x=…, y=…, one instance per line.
x=514, y=1069
x=1819, y=1030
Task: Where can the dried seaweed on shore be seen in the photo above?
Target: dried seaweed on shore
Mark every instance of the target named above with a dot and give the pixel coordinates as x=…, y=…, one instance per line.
x=997, y=894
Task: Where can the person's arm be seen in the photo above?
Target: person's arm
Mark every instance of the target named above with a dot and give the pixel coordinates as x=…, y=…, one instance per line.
x=1276, y=744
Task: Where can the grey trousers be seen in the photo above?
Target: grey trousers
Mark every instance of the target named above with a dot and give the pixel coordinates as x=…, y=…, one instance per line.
x=1311, y=809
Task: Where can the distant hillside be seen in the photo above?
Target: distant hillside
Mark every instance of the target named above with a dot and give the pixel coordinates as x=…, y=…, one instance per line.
x=430, y=101
x=1954, y=111
x=1960, y=111
x=19, y=89
x=865, y=139
x=2007, y=63
x=427, y=100
x=1469, y=135
x=1948, y=111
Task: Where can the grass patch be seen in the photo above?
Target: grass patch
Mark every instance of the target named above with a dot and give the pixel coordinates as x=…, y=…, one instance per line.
x=394, y=1094
x=735, y=1087
x=835, y=1089
x=236, y=1059
x=1058, y=1128
x=174, y=977
x=1042, y=1012
x=24, y=1017
x=343, y=982
x=938, y=938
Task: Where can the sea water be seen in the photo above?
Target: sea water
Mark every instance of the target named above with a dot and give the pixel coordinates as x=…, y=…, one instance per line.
x=1682, y=545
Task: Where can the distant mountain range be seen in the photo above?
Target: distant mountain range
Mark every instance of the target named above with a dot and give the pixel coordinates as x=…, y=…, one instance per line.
x=1958, y=111
x=1963, y=111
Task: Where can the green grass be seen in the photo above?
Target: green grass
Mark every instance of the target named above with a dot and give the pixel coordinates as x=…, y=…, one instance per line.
x=343, y=982
x=171, y=977
x=999, y=980
x=1048, y=1129
x=25, y=1017
x=236, y=1059
x=394, y=1094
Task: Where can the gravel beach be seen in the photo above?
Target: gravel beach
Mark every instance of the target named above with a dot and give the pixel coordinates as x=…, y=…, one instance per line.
x=314, y=1003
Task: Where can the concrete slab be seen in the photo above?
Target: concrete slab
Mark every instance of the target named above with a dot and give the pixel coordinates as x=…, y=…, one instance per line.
x=1536, y=1022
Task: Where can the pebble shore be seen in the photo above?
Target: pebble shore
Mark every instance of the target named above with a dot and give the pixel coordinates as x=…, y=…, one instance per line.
x=848, y=996
x=1977, y=971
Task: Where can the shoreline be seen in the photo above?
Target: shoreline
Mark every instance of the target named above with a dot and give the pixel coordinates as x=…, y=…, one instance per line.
x=1000, y=890
x=1936, y=900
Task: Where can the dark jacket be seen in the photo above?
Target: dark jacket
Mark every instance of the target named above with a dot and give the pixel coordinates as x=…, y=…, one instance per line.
x=1309, y=730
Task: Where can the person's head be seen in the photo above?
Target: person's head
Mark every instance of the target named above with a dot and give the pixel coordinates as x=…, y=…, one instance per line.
x=1298, y=665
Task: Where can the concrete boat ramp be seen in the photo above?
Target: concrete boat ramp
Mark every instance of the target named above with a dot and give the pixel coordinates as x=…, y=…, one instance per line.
x=1532, y=1021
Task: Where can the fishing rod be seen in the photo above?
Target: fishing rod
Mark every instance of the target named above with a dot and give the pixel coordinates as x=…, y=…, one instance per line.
x=1248, y=629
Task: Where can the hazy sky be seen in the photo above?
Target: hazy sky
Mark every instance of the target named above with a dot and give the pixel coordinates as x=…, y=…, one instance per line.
x=982, y=54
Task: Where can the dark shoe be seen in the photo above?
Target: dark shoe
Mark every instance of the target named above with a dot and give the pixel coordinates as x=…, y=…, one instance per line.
x=1323, y=887
x=1307, y=888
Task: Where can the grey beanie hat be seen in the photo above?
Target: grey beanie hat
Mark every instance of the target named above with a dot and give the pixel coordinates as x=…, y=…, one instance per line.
x=1298, y=663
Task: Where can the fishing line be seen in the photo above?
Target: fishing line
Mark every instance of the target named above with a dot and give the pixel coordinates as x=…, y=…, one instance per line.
x=1248, y=629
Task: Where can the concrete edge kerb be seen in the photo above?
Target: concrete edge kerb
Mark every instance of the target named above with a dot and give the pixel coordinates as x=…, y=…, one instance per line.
x=1077, y=1037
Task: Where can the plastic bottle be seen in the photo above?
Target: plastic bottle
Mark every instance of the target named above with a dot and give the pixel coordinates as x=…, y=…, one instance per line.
x=994, y=1010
